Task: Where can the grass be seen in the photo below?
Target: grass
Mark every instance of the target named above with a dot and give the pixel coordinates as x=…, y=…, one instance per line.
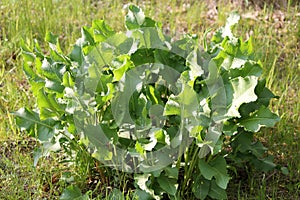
x=276, y=35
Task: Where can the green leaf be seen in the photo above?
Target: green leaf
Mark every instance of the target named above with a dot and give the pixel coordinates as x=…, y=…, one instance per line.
x=184, y=46
x=37, y=154
x=54, y=87
x=185, y=104
x=153, y=95
x=264, y=164
x=167, y=58
x=246, y=69
x=101, y=55
x=141, y=180
x=243, y=92
x=76, y=53
x=52, y=73
x=48, y=105
x=96, y=135
x=101, y=30
x=284, y=170
x=232, y=20
x=172, y=107
x=68, y=80
x=141, y=195
x=30, y=121
x=88, y=36
x=73, y=193
x=116, y=195
x=206, y=170
x=160, y=136
x=151, y=38
x=216, y=168
x=149, y=22
x=134, y=18
x=30, y=73
x=263, y=93
x=201, y=188
x=122, y=44
x=243, y=142
x=211, y=139
x=101, y=137
x=247, y=47
x=216, y=192
x=171, y=172
x=53, y=43
x=51, y=38
x=230, y=128
x=27, y=120
x=263, y=117
x=169, y=185
x=193, y=61
x=139, y=149
x=122, y=64
x=142, y=56
x=27, y=53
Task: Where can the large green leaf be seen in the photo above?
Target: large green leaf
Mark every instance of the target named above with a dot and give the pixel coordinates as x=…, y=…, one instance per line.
x=141, y=195
x=101, y=55
x=253, y=152
x=101, y=30
x=243, y=92
x=194, y=62
x=122, y=64
x=101, y=137
x=263, y=117
x=264, y=164
x=51, y=70
x=30, y=121
x=184, y=46
x=141, y=180
x=216, y=168
x=201, y=188
x=232, y=20
x=248, y=69
x=73, y=193
x=217, y=192
x=134, y=18
x=171, y=172
x=185, y=103
x=263, y=93
x=48, y=105
x=170, y=60
x=87, y=35
x=76, y=53
x=53, y=41
x=169, y=185
x=116, y=194
x=211, y=139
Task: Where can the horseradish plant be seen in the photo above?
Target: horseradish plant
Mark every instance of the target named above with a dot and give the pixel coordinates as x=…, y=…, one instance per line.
x=174, y=114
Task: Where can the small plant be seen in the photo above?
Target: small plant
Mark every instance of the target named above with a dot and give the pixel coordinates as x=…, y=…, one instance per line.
x=176, y=116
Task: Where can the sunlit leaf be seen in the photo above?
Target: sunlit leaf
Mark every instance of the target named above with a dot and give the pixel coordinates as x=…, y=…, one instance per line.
x=243, y=92
x=134, y=18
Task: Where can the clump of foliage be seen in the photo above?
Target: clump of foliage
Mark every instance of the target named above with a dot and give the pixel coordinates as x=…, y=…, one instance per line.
x=174, y=115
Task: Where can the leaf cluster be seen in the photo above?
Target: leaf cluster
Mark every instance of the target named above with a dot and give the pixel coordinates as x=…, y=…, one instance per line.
x=174, y=114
